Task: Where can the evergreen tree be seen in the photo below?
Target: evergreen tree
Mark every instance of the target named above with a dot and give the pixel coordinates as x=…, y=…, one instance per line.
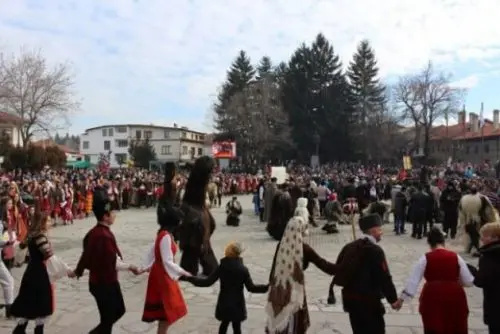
x=265, y=68
x=315, y=97
x=240, y=74
x=367, y=92
x=142, y=153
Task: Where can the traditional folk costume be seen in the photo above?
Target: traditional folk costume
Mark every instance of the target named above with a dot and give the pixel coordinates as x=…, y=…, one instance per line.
x=164, y=301
x=198, y=223
x=233, y=211
x=102, y=258
x=287, y=306
x=6, y=279
x=443, y=303
x=67, y=206
x=281, y=210
x=474, y=210
x=363, y=273
x=89, y=199
x=113, y=195
x=234, y=277
x=35, y=300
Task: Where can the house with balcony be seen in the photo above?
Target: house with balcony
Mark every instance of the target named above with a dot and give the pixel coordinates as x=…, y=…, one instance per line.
x=171, y=143
x=10, y=126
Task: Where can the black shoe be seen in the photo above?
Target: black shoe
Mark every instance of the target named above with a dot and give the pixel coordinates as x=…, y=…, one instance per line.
x=7, y=312
x=331, y=300
x=39, y=329
x=20, y=329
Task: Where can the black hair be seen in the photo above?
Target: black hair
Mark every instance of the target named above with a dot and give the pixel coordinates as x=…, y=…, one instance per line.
x=435, y=237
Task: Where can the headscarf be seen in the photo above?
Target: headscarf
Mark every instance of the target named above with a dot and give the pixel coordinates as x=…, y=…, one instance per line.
x=286, y=286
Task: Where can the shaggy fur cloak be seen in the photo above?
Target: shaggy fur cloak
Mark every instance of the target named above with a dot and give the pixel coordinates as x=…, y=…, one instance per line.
x=474, y=209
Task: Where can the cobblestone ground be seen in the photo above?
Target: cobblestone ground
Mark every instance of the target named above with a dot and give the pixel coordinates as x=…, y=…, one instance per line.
x=76, y=311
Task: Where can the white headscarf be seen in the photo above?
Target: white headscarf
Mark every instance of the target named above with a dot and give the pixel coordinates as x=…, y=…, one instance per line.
x=286, y=288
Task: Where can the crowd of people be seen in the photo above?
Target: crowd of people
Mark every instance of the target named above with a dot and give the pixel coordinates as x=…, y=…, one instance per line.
x=290, y=209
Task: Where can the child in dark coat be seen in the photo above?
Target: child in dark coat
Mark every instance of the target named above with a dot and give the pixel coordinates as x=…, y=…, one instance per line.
x=233, y=276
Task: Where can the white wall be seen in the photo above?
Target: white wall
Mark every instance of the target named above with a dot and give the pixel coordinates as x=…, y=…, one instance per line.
x=167, y=142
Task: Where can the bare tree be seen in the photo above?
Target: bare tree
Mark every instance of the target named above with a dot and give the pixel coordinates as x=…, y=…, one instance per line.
x=39, y=94
x=425, y=98
x=258, y=120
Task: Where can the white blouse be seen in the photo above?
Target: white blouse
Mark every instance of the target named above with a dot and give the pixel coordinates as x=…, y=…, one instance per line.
x=466, y=278
x=173, y=269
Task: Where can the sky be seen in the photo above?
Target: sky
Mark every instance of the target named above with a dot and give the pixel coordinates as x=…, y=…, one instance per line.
x=161, y=62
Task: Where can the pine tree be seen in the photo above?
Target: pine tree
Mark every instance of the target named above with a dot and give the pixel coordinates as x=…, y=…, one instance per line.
x=265, y=68
x=367, y=92
x=240, y=74
x=315, y=97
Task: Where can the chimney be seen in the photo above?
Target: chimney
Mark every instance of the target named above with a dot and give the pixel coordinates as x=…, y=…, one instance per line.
x=461, y=118
x=175, y=125
x=473, y=122
x=496, y=116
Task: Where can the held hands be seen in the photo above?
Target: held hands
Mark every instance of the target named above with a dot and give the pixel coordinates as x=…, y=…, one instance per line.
x=134, y=270
x=71, y=274
x=397, y=305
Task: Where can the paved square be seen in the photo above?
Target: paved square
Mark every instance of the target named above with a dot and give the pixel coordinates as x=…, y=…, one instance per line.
x=76, y=312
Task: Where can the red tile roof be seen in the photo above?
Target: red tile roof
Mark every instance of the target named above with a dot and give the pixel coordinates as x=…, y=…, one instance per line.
x=9, y=118
x=463, y=131
x=50, y=142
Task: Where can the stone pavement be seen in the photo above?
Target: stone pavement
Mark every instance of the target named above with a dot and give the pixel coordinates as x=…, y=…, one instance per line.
x=76, y=312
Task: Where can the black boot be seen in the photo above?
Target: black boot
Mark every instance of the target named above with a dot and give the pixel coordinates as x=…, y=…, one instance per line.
x=7, y=311
x=39, y=329
x=20, y=328
x=331, y=295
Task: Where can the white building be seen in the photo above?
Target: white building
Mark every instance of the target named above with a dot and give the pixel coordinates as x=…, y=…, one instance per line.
x=170, y=143
x=10, y=125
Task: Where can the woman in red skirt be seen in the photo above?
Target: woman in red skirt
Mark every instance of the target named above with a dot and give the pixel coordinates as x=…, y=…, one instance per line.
x=443, y=303
x=164, y=301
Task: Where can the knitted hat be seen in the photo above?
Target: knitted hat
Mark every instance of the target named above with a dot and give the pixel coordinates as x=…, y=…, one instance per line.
x=233, y=249
x=369, y=221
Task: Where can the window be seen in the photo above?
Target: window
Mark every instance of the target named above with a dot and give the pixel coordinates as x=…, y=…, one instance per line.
x=166, y=134
x=202, y=138
x=184, y=135
x=107, y=145
x=165, y=150
x=121, y=129
x=138, y=134
x=486, y=148
x=122, y=143
x=85, y=145
x=466, y=149
x=200, y=151
x=110, y=132
x=104, y=132
x=121, y=158
x=476, y=149
x=184, y=150
x=148, y=134
x=192, y=152
x=86, y=157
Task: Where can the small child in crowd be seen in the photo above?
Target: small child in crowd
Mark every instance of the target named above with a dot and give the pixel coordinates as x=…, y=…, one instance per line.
x=234, y=277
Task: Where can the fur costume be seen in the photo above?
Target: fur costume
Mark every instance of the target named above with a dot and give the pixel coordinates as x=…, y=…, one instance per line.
x=233, y=211
x=168, y=212
x=378, y=207
x=281, y=210
x=198, y=224
x=474, y=210
x=334, y=215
